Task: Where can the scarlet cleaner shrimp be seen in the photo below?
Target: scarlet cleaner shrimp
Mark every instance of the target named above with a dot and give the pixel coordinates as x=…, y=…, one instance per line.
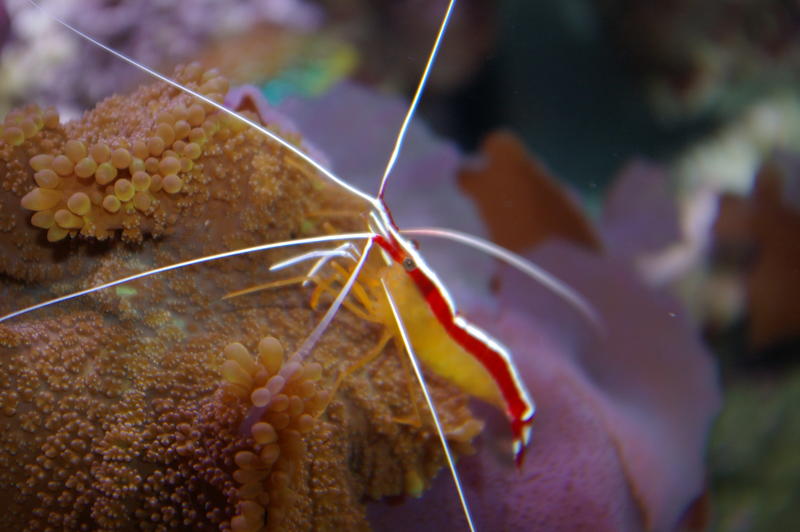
x=426, y=319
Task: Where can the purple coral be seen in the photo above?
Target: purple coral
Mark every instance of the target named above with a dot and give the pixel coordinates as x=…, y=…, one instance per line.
x=650, y=380
x=621, y=425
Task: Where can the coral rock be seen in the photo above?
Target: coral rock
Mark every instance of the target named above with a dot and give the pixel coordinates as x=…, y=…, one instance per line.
x=157, y=404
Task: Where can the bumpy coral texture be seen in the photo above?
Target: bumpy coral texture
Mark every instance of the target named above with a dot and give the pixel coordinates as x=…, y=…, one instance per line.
x=144, y=406
x=151, y=164
x=110, y=172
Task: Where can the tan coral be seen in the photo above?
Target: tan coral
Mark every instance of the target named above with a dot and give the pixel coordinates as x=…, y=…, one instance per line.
x=100, y=425
x=276, y=423
x=150, y=164
x=123, y=410
x=98, y=164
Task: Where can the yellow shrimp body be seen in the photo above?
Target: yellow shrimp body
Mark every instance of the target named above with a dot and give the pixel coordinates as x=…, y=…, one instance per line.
x=432, y=344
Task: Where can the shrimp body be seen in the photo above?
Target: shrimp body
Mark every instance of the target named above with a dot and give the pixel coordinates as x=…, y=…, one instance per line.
x=439, y=336
x=434, y=345
x=448, y=343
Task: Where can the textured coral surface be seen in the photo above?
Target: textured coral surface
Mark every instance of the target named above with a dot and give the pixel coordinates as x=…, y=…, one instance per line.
x=145, y=406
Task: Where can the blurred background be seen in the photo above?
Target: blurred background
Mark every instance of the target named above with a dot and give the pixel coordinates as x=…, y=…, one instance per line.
x=674, y=116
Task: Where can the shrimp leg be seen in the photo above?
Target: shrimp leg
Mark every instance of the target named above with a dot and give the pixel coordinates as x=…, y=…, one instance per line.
x=376, y=350
x=276, y=383
x=279, y=283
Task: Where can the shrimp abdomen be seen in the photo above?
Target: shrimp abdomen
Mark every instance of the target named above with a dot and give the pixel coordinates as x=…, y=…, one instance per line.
x=434, y=346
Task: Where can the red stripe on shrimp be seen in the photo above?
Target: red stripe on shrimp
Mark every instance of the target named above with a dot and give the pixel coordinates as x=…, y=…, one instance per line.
x=489, y=353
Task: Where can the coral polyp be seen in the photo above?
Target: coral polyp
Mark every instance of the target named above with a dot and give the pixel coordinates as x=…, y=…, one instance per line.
x=266, y=472
x=143, y=165
x=116, y=170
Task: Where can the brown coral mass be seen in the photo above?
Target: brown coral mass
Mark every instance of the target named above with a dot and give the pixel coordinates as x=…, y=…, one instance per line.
x=133, y=408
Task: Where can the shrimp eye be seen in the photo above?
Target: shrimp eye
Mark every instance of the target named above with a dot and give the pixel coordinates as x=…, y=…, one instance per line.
x=408, y=264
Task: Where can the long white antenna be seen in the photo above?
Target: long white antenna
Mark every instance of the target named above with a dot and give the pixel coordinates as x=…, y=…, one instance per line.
x=192, y=262
x=322, y=254
x=277, y=138
x=525, y=266
x=413, y=358
x=398, y=143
